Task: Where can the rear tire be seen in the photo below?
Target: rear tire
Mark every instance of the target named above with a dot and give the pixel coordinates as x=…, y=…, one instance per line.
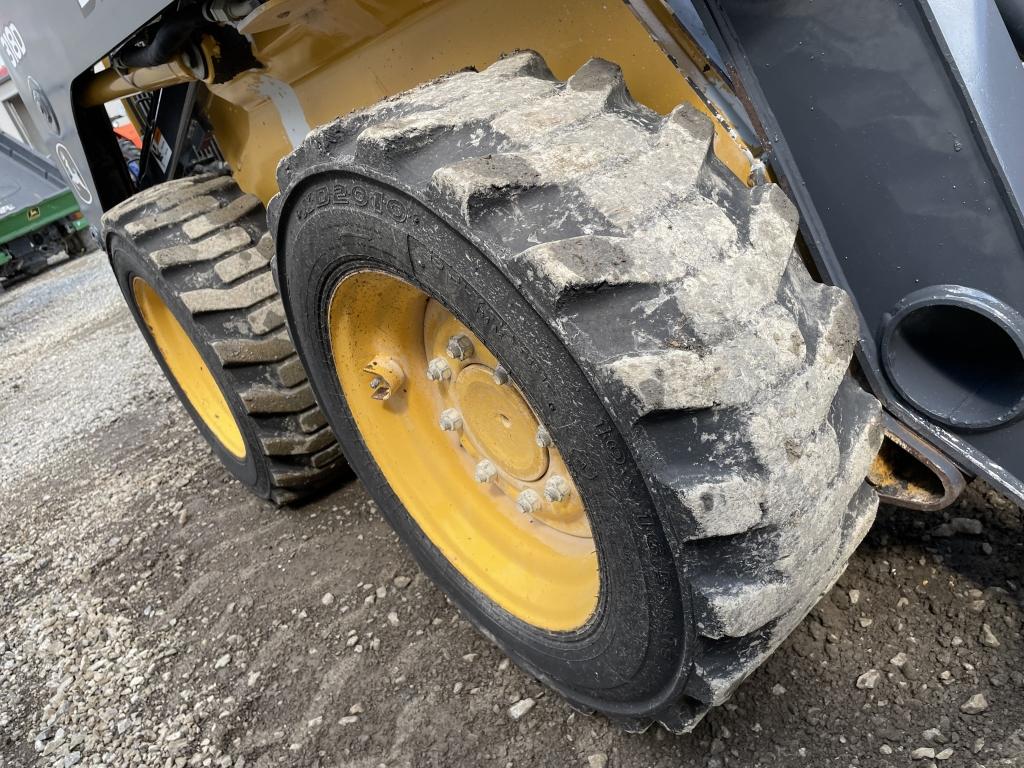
x=653, y=309
x=79, y=243
x=201, y=246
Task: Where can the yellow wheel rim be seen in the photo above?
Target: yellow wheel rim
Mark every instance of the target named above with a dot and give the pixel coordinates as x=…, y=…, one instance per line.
x=463, y=451
x=188, y=368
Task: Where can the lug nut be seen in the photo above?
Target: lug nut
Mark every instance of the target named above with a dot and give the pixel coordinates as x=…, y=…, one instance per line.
x=500, y=376
x=381, y=389
x=543, y=438
x=485, y=471
x=528, y=502
x=460, y=347
x=451, y=420
x=556, y=489
x=438, y=370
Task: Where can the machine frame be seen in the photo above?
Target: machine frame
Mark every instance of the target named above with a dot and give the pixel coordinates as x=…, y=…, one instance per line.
x=915, y=186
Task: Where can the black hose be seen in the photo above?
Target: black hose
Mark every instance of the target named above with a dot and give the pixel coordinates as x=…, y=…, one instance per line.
x=1012, y=12
x=167, y=43
x=152, y=114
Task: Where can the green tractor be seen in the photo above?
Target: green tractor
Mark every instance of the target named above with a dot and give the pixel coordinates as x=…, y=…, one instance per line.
x=626, y=313
x=39, y=215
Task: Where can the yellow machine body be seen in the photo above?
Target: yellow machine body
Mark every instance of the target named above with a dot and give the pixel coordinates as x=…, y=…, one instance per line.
x=325, y=58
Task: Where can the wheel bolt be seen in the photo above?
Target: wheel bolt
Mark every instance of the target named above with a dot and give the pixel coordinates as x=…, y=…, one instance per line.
x=438, y=370
x=485, y=471
x=460, y=347
x=556, y=489
x=451, y=420
x=543, y=438
x=528, y=502
x=381, y=389
x=500, y=376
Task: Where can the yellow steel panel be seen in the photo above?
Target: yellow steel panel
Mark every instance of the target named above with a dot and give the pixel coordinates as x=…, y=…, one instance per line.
x=341, y=55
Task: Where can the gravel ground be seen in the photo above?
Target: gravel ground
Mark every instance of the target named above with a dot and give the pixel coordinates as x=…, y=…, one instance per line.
x=151, y=613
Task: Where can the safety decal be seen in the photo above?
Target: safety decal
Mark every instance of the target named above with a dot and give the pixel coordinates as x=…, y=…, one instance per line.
x=70, y=167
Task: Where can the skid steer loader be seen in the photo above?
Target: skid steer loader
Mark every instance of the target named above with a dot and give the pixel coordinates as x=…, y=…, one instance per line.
x=613, y=307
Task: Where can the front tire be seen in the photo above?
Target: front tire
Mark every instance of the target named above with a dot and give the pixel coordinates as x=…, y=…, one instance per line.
x=651, y=311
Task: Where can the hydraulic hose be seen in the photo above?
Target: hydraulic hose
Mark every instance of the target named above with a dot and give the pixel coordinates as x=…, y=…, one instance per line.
x=167, y=43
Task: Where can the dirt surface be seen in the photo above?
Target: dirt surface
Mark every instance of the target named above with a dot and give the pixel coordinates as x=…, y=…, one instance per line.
x=151, y=613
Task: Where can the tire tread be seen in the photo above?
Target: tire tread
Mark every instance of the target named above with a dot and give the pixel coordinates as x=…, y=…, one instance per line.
x=204, y=235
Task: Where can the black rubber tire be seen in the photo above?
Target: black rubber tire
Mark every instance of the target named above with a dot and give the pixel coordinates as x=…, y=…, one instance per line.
x=652, y=309
x=636, y=561
x=202, y=245
x=79, y=243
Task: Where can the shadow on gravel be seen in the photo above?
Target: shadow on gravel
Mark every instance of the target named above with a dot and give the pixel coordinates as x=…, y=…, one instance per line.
x=981, y=537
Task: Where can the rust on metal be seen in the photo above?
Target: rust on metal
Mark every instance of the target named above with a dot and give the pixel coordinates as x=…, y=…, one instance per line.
x=909, y=472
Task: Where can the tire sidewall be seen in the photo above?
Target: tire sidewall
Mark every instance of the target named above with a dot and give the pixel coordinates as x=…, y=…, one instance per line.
x=127, y=264
x=635, y=643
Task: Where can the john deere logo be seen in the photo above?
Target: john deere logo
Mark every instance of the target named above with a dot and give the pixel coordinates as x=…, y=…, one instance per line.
x=33, y=213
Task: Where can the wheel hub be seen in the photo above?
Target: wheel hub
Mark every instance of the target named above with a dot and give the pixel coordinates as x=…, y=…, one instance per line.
x=499, y=425
x=463, y=450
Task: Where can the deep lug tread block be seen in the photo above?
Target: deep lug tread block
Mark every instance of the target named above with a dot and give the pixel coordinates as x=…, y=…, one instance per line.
x=298, y=445
x=311, y=420
x=326, y=457
x=250, y=351
x=185, y=210
x=266, y=318
x=169, y=194
x=203, y=225
x=275, y=400
x=477, y=181
x=241, y=296
x=213, y=247
x=246, y=262
x=290, y=373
